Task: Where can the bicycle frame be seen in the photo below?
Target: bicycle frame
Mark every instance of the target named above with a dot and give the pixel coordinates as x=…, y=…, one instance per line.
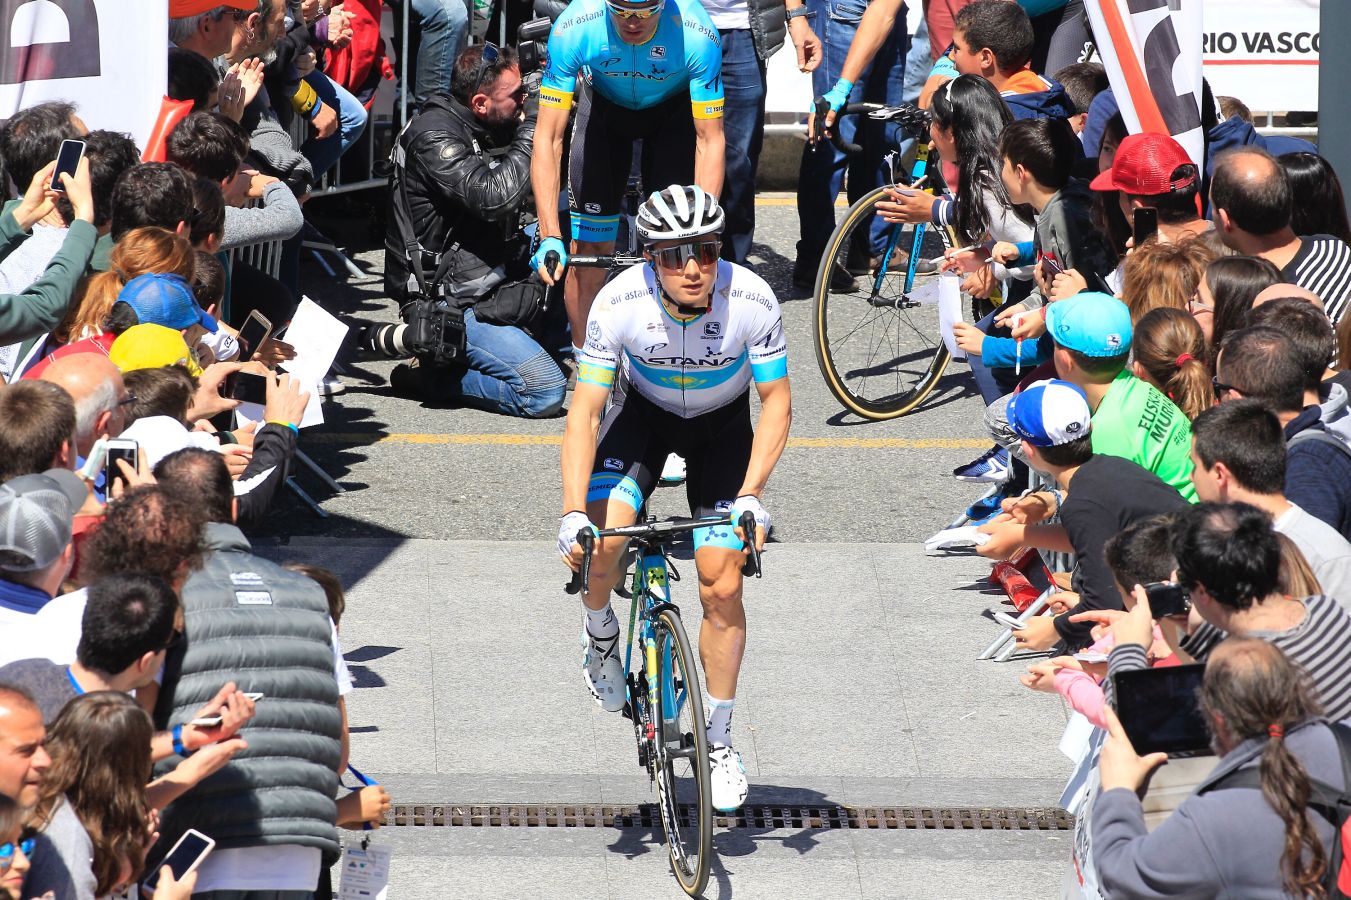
x=917, y=171
x=651, y=592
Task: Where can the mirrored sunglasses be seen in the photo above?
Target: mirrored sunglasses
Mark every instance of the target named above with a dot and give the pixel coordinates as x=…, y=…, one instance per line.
x=704, y=252
x=629, y=12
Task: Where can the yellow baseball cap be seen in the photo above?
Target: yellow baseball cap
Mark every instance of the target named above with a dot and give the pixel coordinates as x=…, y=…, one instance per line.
x=152, y=347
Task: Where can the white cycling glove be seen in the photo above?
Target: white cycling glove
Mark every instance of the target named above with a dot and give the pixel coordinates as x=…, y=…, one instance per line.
x=568, y=528
x=749, y=503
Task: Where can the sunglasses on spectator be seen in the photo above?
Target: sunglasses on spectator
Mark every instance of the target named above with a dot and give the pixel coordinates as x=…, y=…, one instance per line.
x=1221, y=387
x=489, y=59
x=704, y=252
x=629, y=12
x=127, y=400
x=7, y=851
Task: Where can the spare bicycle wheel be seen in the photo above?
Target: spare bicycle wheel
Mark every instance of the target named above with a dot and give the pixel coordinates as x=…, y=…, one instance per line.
x=878, y=343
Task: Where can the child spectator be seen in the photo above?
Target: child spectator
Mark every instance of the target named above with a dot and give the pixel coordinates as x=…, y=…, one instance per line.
x=1169, y=352
x=1053, y=422
x=1082, y=82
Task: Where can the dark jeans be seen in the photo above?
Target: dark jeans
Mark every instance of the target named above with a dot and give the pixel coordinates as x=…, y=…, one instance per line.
x=743, y=122
x=996, y=383
x=823, y=167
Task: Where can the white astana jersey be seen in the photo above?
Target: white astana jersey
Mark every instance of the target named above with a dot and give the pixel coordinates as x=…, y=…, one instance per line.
x=689, y=366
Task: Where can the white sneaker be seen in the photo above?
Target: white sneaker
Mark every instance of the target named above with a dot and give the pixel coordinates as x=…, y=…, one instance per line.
x=674, y=470
x=728, y=779
x=601, y=669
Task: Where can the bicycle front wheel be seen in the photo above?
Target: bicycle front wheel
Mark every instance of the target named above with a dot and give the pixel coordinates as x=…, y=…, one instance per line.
x=684, y=789
x=879, y=344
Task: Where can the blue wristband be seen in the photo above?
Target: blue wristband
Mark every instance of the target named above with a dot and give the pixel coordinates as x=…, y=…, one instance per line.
x=177, y=735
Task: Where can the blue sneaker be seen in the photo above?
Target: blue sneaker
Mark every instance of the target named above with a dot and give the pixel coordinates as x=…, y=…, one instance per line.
x=991, y=467
x=985, y=509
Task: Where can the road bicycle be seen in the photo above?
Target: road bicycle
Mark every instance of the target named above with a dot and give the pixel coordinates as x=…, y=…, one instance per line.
x=879, y=344
x=664, y=690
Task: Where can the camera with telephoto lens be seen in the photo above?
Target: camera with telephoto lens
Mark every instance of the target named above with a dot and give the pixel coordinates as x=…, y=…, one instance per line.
x=532, y=45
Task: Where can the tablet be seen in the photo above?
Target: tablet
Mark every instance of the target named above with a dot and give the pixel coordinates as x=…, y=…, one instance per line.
x=1160, y=710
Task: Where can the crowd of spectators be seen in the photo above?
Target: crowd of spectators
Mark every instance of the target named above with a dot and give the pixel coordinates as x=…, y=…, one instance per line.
x=155, y=675
x=1167, y=408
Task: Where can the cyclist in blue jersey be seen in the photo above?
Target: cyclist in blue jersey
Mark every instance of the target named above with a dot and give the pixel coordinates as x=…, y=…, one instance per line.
x=647, y=70
x=687, y=334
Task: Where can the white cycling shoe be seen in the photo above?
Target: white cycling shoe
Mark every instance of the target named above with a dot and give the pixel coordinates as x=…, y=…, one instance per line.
x=601, y=669
x=728, y=777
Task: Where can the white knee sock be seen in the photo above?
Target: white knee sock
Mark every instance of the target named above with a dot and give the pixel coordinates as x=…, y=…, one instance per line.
x=719, y=720
x=601, y=623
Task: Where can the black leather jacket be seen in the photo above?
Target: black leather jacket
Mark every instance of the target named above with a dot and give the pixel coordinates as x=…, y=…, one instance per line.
x=461, y=186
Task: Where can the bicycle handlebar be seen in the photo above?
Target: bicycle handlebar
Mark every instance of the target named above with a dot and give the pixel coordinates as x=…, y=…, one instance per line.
x=909, y=117
x=605, y=262
x=581, y=579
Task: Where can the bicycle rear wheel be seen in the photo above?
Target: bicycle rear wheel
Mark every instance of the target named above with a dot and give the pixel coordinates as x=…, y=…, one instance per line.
x=879, y=344
x=682, y=756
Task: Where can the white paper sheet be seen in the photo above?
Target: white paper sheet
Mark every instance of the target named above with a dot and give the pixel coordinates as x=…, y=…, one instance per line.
x=950, y=311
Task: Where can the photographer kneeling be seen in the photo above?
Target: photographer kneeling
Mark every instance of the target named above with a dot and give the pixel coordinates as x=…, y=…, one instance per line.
x=455, y=256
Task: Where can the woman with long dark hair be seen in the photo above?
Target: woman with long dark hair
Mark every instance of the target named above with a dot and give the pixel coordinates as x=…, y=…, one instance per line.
x=1226, y=294
x=92, y=809
x=1248, y=830
x=1319, y=206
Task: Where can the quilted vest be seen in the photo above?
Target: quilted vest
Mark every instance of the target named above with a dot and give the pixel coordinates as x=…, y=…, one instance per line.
x=267, y=629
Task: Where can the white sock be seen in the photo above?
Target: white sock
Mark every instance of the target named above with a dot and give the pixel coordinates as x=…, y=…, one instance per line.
x=601, y=623
x=719, y=720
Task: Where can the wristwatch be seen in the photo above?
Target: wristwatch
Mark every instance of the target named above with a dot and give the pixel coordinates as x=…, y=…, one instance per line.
x=797, y=12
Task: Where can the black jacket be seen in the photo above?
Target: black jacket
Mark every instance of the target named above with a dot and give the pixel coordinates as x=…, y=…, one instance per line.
x=461, y=183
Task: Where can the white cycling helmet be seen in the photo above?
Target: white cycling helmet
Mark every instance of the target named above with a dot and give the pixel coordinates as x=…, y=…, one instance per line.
x=678, y=212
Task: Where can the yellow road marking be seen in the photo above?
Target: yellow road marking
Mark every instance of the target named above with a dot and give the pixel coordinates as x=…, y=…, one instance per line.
x=553, y=440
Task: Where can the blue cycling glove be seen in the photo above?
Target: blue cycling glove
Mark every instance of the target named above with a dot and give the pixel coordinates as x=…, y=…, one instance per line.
x=545, y=246
x=838, y=96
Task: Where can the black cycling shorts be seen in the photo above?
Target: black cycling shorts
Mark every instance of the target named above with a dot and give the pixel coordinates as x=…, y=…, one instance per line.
x=636, y=436
x=600, y=157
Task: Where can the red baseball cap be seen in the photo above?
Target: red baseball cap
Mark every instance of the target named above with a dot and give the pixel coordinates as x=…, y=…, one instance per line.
x=1145, y=165
x=181, y=9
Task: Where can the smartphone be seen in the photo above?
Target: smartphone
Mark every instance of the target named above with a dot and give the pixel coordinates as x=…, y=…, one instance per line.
x=207, y=721
x=1160, y=710
x=1167, y=598
x=119, y=448
x=251, y=336
x=247, y=387
x=1050, y=268
x=255, y=696
x=1008, y=621
x=67, y=161
x=1090, y=657
x=186, y=855
x=1145, y=225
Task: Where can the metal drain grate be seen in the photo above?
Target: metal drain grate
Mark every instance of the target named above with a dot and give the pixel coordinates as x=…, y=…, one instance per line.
x=523, y=815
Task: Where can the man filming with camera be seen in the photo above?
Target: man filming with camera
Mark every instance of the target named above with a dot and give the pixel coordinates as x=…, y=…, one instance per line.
x=455, y=257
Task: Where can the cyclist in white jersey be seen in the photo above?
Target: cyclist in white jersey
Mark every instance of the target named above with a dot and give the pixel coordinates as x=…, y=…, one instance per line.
x=679, y=340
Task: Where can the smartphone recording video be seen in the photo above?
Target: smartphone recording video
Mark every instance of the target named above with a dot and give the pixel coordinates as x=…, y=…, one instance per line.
x=1167, y=598
x=256, y=330
x=119, y=448
x=1145, y=224
x=67, y=161
x=246, y=388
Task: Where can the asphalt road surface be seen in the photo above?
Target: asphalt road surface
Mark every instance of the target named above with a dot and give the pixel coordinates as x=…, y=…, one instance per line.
x=860, y=686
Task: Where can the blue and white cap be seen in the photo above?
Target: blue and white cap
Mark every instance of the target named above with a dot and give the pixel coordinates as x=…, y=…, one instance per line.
x=1050, y=413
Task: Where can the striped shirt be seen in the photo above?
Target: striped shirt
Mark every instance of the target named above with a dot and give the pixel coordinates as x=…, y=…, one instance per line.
x=1323, y=265
x=1320, y=645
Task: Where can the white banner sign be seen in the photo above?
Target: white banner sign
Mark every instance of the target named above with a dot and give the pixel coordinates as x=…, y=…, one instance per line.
x=1264, y=52
x=108, y=57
